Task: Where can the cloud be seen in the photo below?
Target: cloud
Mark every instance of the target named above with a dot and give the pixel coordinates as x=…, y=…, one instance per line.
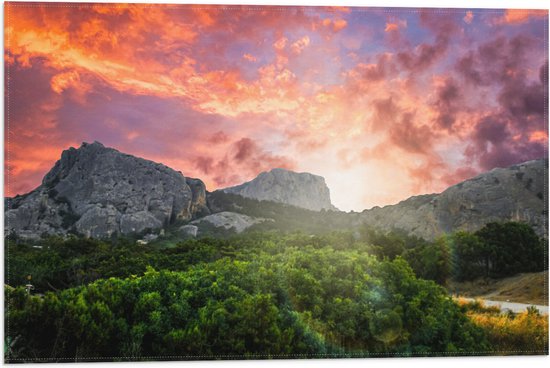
x=204, y=164
x=393, y=32
x=218, y=137
x=299, y=46
x=493, y=145
x=364, y=76
x=469, y=17
x=409, y=104
x=386, y=112
x=448, y=100
x=148, y=60
x=32, y=129
x=502, y=63
x=335, y=25
x=339, y=24
x=424, y=54
x=391, y=27
x=519, y=16
x=503, y=134
x=250, y=58
x=280, y=44
x=394, y=25
x=245, y=149
x=244, y=161
x=62, y=81
x=409, y=136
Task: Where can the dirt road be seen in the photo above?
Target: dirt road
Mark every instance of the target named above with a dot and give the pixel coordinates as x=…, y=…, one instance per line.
x=509, y=306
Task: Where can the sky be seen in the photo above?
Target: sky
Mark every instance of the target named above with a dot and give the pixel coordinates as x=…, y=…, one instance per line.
x=384, y=103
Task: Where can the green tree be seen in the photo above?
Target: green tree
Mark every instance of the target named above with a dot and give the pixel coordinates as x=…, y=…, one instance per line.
x=510, y=248
x=470, y=257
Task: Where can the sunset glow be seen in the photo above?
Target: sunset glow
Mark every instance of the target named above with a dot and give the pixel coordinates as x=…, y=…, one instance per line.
x=384, y=103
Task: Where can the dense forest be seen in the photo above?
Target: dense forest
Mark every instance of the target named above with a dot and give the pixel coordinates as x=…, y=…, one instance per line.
x=265, y=295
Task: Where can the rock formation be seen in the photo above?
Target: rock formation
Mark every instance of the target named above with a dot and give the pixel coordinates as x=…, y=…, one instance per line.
x=516, y=193
x=278, y=185
x=97, y=192
x=228, y=220
x=189, y=230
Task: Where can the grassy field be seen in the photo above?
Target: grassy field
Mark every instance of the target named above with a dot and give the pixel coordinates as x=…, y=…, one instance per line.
x=509, y=333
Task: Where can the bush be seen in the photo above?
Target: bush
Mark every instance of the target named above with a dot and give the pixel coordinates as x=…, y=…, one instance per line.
x=270, y=297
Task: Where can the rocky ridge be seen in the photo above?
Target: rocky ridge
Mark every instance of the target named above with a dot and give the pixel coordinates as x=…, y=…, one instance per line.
x=517, y=193
x=303, y=190
x=99, y=192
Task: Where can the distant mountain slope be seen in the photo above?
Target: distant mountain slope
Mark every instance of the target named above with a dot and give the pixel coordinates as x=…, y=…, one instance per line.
x=302, y=190
x=98, y=191
x=516, y=193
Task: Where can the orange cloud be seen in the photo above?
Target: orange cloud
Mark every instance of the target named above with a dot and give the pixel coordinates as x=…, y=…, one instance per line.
x=394, y=25
x=469, y=17
x=336, y=25
x=390, y=27
x=339, y=24
x=62, y=81
x=250, y=58
x=518, y=16
x=539, y=136
x=100, y=45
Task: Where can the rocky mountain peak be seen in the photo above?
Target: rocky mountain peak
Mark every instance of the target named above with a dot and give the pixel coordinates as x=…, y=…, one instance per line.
x=303, y=190
x=98, y=191
x=86, y=152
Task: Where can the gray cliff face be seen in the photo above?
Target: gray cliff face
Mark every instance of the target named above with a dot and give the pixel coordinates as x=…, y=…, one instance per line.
x=516, y=193
x=98, y=191
x=198, y=205
x=278, y=185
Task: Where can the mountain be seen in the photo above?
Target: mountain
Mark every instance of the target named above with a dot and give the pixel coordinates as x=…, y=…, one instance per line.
x=283, y=186
x=98, y=191
x=517, y=193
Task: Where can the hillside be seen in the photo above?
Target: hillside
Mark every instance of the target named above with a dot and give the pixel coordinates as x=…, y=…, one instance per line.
x=517, y=193
x=529, y=288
